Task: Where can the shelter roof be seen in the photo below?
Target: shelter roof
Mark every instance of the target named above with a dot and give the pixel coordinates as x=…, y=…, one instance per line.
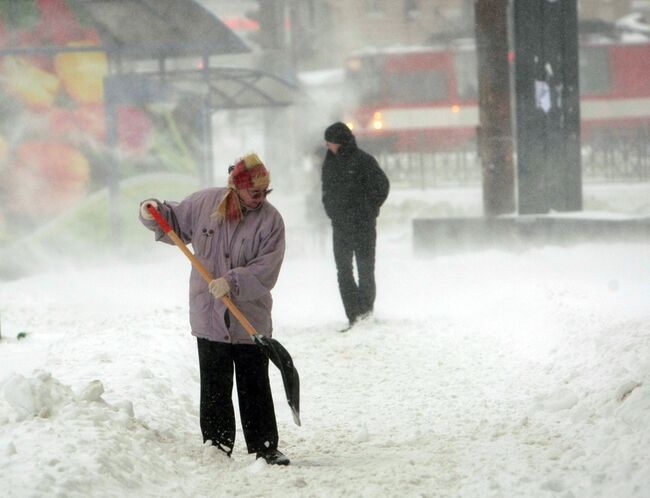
x=236, y=88
x=159, y=28
x=224, y=87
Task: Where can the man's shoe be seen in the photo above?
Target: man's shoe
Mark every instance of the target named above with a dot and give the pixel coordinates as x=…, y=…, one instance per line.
x=347, y=327
x=274, y=457
x=350, y=324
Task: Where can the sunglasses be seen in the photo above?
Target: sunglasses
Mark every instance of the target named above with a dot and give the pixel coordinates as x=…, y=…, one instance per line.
x=259, y=194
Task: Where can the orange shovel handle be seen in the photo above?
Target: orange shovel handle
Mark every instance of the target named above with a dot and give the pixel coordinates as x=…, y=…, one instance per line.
x=201, y=269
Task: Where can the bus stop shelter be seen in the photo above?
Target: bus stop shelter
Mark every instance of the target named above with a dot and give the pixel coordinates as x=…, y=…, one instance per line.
x=143, y=41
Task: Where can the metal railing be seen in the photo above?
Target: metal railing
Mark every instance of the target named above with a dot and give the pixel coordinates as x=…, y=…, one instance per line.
x=613, y=155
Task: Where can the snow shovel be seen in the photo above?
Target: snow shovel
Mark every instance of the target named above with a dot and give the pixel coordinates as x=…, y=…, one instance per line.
x=271, y=348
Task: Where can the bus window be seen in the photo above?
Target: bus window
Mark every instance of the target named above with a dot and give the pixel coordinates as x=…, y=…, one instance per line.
x=466, y=74
x=594, y=71
x=364, y=79
x=416, y=86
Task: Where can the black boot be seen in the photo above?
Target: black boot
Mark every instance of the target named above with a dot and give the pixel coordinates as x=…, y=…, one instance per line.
x=274, y=457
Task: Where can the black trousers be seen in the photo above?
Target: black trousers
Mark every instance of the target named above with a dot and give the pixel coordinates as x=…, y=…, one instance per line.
x=358, y=244
x=216, y=362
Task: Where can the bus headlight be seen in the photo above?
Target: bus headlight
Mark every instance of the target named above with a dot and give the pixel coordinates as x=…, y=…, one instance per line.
x=377, y=121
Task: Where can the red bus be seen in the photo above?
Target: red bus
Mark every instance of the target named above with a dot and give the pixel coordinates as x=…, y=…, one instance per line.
x=424, y=99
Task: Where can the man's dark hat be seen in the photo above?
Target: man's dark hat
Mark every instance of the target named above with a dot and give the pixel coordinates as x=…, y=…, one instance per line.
x=338, y=133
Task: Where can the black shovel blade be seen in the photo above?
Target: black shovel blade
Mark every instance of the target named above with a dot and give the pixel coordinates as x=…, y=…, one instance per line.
x=282, y=359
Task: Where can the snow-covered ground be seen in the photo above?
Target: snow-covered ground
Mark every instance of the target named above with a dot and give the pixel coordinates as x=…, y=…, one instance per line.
x=482, y=374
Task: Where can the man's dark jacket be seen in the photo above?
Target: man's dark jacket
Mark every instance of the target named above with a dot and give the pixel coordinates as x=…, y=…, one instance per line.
x=354, y=186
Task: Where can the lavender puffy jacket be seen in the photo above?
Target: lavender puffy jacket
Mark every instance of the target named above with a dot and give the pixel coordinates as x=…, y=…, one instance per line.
x=248, y=254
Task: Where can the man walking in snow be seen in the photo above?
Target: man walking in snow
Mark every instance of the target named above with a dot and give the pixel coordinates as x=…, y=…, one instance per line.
x=239, y=236
x=354, y=187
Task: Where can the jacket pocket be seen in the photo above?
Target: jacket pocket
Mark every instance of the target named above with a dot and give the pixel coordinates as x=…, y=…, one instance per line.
x=203, y=241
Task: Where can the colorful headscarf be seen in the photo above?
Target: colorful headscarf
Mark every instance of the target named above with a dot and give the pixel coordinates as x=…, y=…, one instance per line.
x=248, y=172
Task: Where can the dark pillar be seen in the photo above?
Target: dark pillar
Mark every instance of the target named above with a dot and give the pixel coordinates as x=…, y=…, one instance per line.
x=206, y=175
x=548, y=106
x=276, y=58
x=495, y=131
x=111, y=97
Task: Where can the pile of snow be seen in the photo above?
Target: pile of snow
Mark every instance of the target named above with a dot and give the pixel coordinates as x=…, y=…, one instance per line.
x=481, y=374
x=484, y=374
x=634, y=23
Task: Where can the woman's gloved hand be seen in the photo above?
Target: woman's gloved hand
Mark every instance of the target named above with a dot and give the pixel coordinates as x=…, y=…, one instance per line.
x=219, y=287
x=144, y=211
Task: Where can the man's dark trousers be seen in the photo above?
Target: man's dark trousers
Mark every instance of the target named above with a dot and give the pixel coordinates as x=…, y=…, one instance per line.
x=356, y=242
